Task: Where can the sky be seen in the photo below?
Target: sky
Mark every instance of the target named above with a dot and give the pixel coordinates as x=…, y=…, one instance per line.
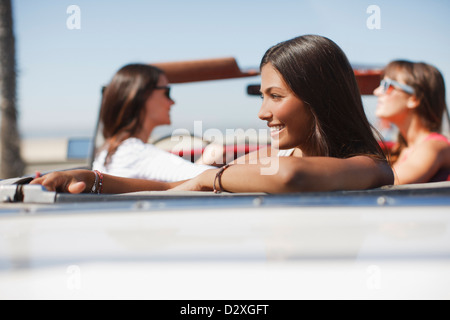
x=61, y=69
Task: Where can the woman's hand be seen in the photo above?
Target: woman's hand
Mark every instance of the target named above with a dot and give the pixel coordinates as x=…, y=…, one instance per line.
x=73, y=181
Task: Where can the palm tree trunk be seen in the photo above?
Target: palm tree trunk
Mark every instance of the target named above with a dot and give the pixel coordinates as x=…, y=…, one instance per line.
x=11, y=163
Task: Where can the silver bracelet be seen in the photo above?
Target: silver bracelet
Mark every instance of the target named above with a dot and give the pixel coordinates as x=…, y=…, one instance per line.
x=94, y=186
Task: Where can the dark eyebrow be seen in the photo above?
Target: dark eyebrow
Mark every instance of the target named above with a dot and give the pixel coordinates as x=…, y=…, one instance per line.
x=270, y=88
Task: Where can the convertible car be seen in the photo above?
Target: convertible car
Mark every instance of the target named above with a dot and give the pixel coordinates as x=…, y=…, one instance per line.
x=391, y=242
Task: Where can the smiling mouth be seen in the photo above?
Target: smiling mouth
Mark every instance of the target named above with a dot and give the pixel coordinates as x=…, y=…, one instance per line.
x=275, y=130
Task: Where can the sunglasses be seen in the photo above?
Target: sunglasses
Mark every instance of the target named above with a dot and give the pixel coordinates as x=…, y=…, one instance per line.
x=167, y=91
x=387, y=85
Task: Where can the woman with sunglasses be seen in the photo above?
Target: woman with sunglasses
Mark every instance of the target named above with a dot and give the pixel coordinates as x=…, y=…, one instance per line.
x=321, y=138
x=412, y=97
x=135, y=102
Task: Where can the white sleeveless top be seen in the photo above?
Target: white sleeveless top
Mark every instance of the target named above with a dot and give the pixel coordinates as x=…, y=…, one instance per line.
x=136, y=159
x=285, y=153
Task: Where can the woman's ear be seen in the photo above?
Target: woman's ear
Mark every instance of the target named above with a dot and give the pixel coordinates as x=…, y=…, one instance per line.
x=413, y=102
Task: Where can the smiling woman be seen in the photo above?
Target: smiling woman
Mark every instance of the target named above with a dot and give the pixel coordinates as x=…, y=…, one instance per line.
x=318, y=73
x=312, y=103
x=412, y=97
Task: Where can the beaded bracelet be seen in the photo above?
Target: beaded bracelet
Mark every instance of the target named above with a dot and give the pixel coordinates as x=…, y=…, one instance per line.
x=100, y=181
x=219, y=178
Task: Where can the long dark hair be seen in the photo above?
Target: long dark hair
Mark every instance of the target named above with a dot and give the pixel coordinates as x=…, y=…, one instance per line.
x=429, y=89
x=123, y=103
x=319, y=73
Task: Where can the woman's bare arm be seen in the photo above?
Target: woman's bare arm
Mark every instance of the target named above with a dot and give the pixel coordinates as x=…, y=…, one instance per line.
x=423, y=163
x=292, y=174
x=271, y=175
x=78, y=181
